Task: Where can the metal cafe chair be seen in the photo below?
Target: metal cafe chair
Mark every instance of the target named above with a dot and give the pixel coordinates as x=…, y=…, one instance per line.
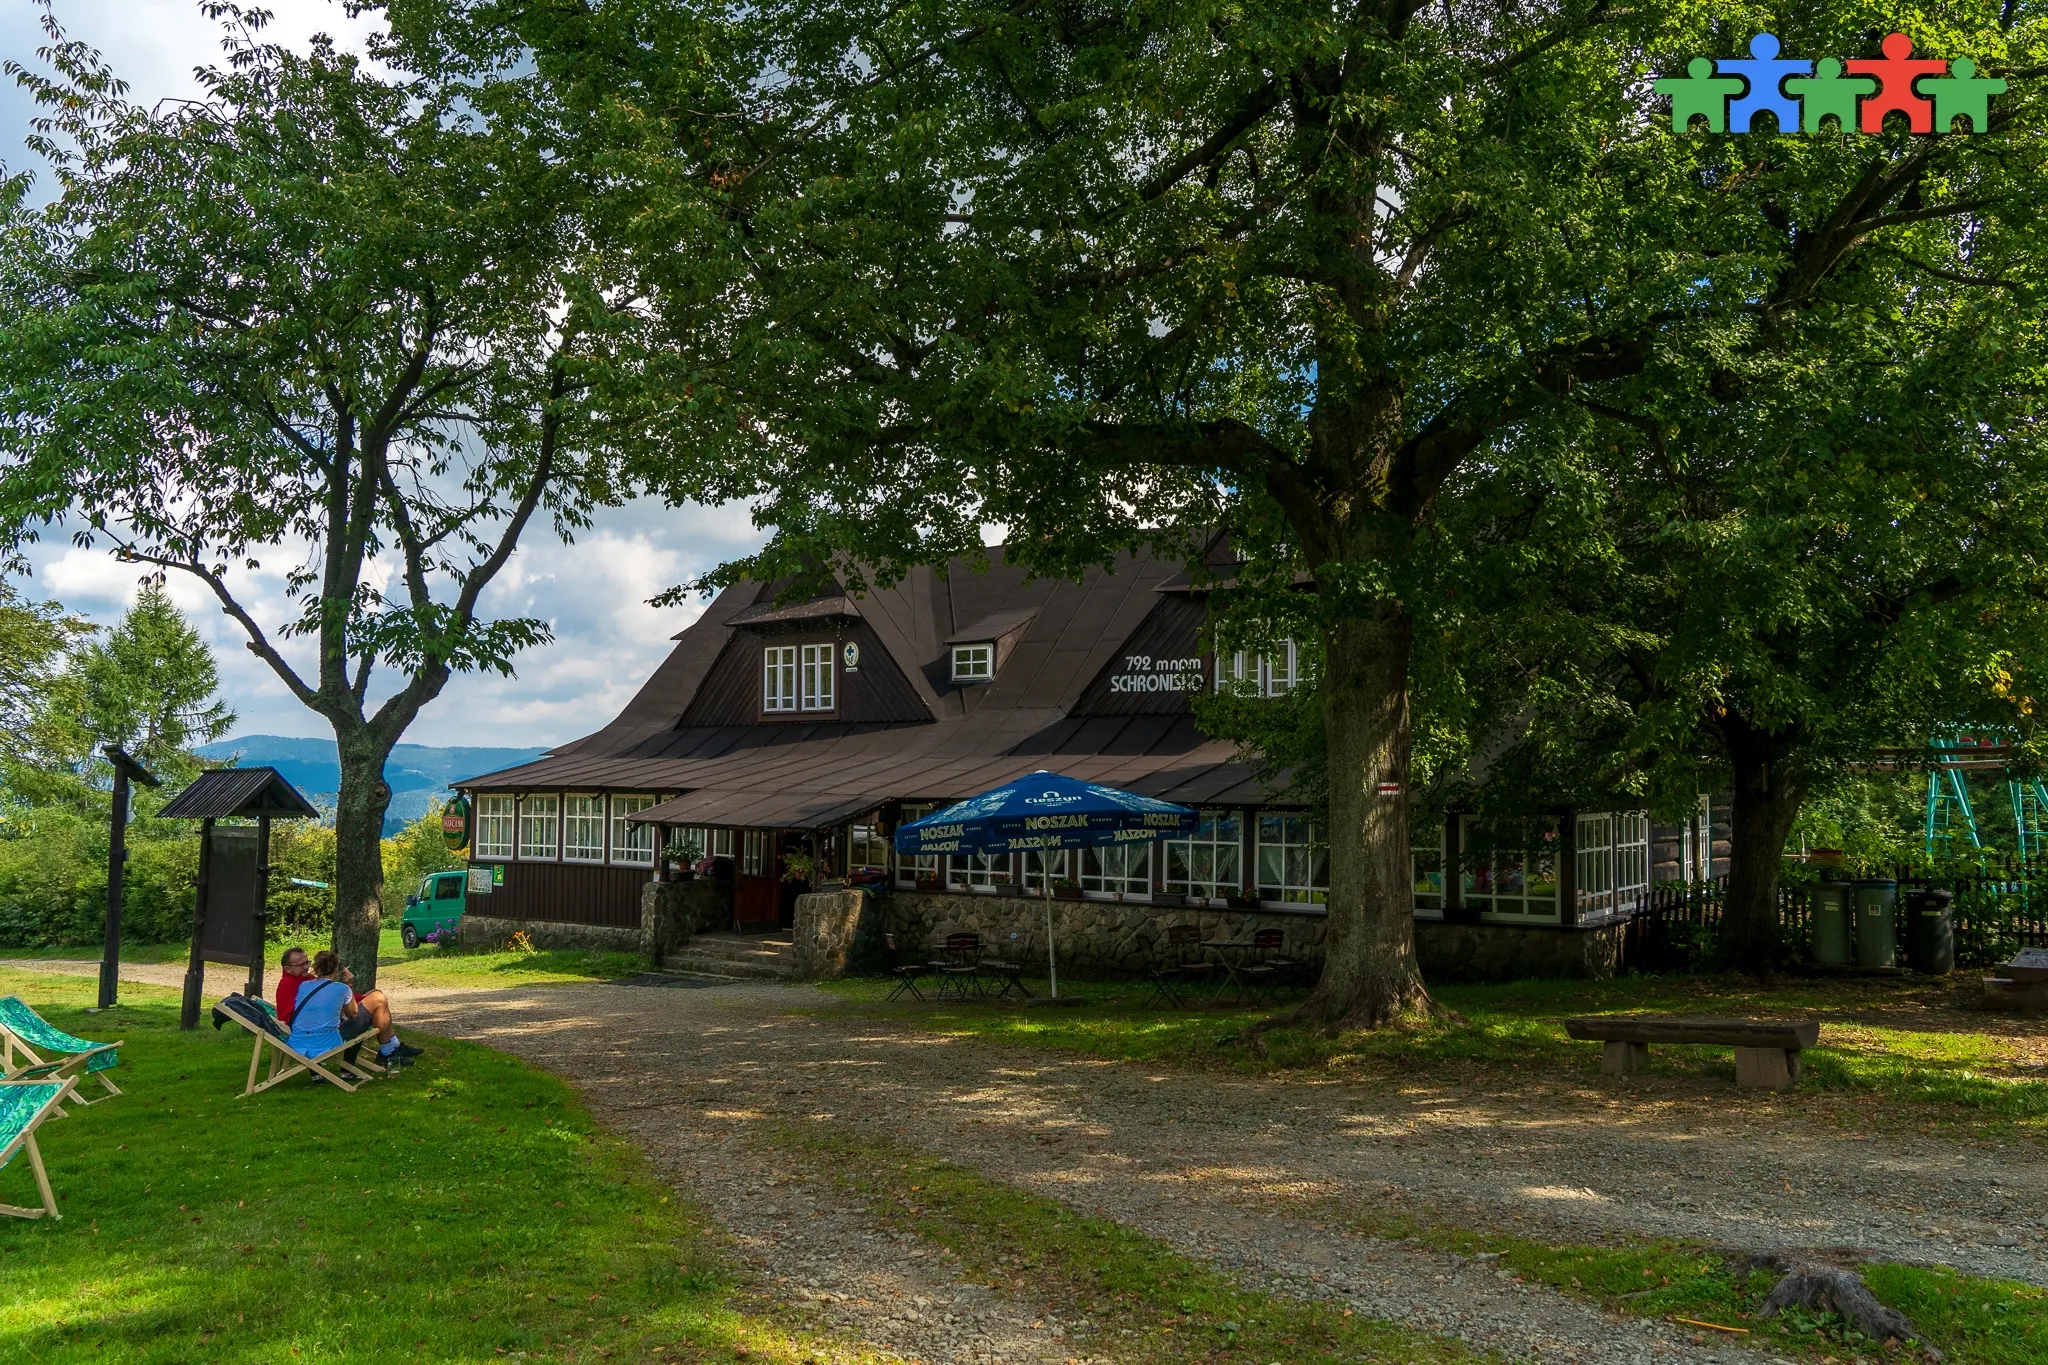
x=905, y=971
x=1270, y=969
x=1001, y=975
x=1182, y=966
x=959, y=966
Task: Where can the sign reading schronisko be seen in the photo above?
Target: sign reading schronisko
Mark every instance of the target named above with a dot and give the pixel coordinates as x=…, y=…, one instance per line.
x=1143, y=673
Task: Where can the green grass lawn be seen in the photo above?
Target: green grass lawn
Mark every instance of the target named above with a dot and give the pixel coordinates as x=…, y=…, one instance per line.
x=427, y=965
x=1157, y=1306
x=465, y=1210
x=1144, y=1303
x=1892, y=1039
x=130, y=952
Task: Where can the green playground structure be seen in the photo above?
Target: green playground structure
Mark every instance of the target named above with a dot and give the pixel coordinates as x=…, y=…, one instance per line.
x=1951, y=818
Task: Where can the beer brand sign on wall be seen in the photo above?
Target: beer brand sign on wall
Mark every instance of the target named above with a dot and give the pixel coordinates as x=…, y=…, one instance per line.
x=1799, y=92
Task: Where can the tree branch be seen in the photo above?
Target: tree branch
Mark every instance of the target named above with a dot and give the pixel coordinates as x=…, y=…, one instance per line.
x=1256, y=106
x=259, y=643
x=1954, y=276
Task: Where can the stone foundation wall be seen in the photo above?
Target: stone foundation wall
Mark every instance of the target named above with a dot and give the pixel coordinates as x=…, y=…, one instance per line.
x=672, y=911
x=1090, y=937
x=1513, y=952
x=484, y=932
x=827, y=939
x=1111, y=938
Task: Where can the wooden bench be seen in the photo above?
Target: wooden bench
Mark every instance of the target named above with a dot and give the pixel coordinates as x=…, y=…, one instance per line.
x=1766, y=1050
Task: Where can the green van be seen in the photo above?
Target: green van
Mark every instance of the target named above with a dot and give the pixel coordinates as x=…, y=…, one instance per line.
x=436, y=907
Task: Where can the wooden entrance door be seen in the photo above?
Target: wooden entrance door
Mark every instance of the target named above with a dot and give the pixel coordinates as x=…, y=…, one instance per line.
x=757, y=890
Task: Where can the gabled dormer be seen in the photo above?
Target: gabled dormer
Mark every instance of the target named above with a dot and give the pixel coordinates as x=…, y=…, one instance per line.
x=811, y=662
x=976, y=653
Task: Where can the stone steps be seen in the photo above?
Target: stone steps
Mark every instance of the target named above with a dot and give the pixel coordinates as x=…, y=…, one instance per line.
x=732, y=955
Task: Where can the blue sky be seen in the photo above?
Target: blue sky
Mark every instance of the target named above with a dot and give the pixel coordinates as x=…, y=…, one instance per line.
x=607, y=639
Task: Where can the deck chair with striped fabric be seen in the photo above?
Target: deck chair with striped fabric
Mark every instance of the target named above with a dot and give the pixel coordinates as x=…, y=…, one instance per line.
x=23, y=1107
x=287, y=1061
x=24, y=1031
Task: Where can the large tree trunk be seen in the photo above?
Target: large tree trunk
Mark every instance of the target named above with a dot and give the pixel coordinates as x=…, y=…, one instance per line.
x=359, y=853
x=1370, y=975
x=1767, y=801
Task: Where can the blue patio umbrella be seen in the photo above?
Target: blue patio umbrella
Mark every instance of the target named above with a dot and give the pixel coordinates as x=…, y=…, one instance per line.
x=1044, y=812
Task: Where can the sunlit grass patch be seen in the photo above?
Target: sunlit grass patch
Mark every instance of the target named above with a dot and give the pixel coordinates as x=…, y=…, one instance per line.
x=430, y=964
x=1146, y=1303
x=1898, y=1040
x=466, y=1210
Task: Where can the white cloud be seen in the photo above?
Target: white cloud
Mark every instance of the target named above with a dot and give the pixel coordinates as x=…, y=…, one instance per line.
x=154, y=45
x=593, y=593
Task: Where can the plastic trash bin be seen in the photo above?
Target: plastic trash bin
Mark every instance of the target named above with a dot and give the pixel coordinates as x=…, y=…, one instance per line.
x=1877, y=927
x=1931, y=930
x=1832, y=945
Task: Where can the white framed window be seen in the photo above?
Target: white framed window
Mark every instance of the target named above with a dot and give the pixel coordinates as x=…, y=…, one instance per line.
x=754, y=853
x=583, y=829
x=817, y=678
x=977, y=869
x=1696, y=843
x=632, y=844
x=493, y=827
x=1631, y=858
x=974, y=663
x=1207, y=863
x=1612, y=860
x=778, y=678
x=909, y=869
x=867, y=848
x=1251, y=673
x=1118, y=867
x=540, y=818
x=709, y=843
x=1597, y=858
x=1059, y=861
x=1508, y=867
x=1426, y=862
x=1293, y=861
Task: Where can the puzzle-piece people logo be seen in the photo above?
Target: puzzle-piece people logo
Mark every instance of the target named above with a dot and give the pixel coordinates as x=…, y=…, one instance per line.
x=1799, y=94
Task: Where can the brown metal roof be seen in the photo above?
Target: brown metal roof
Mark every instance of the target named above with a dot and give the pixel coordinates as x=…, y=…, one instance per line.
x=767, y=613
x=804, y=772
x=993, y=627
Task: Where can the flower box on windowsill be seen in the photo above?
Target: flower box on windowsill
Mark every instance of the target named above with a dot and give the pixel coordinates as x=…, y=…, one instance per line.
x=1168, y=898
x=930, y=884
x=1242, y=902
x=1066, y=893
x=1009, y=889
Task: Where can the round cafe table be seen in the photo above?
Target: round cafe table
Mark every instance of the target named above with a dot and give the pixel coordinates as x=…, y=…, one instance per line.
x=1231, y=955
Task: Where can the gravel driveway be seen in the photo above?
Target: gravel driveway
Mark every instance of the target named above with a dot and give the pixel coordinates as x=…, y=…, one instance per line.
x=1253, y=1175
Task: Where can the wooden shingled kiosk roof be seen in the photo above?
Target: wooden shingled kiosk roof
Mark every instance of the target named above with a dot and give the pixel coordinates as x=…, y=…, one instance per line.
x=233, y=792
x=692, y=734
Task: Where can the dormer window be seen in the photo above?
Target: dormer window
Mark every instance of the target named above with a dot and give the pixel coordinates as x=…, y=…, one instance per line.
x=817, y=678
x=798, y=678
x=974, y=663
x=778, y=678
x=1252, y=674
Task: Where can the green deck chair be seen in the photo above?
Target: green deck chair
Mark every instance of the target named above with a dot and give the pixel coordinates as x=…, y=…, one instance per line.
x=24, y=1031
x=23, y=1107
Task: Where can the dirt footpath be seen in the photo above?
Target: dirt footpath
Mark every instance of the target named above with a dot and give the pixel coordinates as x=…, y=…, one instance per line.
x=1253, y=1175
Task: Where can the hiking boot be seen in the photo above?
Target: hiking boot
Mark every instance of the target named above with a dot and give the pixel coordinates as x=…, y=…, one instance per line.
x=407, y=1051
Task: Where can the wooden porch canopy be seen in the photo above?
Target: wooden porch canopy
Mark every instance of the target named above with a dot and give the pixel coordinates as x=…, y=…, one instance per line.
x=239, y=792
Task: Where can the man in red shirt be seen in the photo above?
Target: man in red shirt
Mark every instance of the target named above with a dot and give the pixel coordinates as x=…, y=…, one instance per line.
x=295, y=969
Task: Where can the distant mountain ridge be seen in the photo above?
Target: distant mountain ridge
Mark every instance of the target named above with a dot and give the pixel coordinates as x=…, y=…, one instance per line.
x=419, y=774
